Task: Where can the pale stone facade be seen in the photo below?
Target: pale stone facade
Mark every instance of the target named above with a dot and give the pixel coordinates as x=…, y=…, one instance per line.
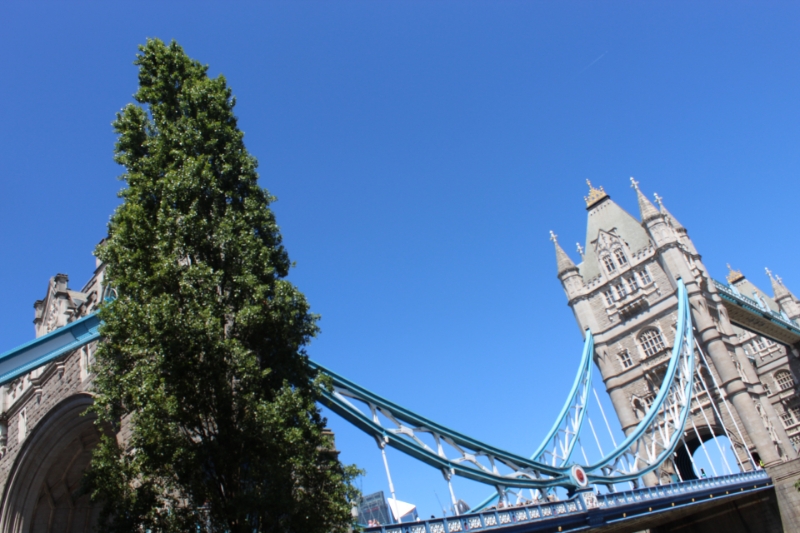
x=624, y=290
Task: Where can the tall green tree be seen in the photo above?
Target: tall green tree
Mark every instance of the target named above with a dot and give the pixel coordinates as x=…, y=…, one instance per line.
x=202, y=371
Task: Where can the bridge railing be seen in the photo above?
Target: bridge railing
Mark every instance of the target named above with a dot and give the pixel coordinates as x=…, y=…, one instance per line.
x=577, y=510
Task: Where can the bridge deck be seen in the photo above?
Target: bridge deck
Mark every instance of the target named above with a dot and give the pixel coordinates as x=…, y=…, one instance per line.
x=586, y=510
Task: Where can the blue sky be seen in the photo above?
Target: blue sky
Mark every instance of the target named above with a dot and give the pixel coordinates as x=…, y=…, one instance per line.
x=421, y=152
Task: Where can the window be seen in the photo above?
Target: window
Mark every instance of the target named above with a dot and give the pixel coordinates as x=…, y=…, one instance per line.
x=620, y=288
x=608, y=296
x=625, y=359
x=759, y=343
x=652, y=342
x=609, y=264
x=632, y=286
x=795, y=413
x=795, y=441
x=766, y=388
x=620, y=257
x=784, y=380
x=787, y=419
x=644, y=277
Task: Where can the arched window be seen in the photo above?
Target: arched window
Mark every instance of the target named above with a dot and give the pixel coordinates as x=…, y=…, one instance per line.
x=609, y=264
x=784, y=380
x=619, y=255
x=638, y=406
x=651, y=342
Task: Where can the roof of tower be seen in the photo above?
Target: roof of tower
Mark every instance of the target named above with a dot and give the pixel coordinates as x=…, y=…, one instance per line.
x=563, y=262
x=646, y=208
x=606, y=215
x=671, y=219
x=778, y=289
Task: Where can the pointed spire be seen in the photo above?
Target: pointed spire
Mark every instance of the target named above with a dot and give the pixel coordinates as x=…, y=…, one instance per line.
x=647, y=209
x=778, y=289
x=672, y=220
x=734, y=275
x=563, y=262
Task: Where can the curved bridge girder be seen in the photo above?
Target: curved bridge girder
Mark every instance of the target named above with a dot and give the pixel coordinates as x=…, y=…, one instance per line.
x=649, y=445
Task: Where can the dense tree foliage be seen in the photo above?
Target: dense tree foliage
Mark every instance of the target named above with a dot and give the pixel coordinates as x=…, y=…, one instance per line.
x=202, y=371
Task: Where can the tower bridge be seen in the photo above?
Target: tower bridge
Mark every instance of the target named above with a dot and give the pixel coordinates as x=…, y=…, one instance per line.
x=683, y=357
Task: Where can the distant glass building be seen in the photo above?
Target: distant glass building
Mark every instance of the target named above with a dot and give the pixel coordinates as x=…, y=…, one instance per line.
x=373, y=507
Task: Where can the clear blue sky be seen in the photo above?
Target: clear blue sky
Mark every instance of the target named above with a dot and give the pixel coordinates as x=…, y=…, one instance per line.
x=421, y=152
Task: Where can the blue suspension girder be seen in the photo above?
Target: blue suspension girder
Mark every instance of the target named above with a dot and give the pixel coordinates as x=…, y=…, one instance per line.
x=448, y=449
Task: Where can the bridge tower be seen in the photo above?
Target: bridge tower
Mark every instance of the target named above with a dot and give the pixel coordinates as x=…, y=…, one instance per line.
x=46, y=436
x=624, y=290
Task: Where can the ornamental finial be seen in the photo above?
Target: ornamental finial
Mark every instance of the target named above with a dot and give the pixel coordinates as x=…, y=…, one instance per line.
x=658, y=200
x=779, y=279
x=734, y=275
x=769, y=272
x=595, y=195
x=553, y=237
x=580, y=248
x=634, y=183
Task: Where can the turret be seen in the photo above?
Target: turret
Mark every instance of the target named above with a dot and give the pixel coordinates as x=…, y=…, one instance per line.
x=680, y=230
x=668, y=216
x=665, y=239
x=783, y=297
x=568, y=273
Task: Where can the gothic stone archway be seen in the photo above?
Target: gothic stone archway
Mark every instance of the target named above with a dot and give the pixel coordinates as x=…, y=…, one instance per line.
x=43, y=491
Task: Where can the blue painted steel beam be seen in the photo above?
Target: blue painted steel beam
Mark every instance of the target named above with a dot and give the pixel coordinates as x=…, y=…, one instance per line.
x=559, y=476
x=41, y=351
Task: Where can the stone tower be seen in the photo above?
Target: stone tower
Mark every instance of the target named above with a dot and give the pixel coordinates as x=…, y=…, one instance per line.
x=46, y=435
x=624, y=290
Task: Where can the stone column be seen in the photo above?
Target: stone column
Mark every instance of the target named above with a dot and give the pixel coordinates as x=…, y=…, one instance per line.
x=734, y=387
